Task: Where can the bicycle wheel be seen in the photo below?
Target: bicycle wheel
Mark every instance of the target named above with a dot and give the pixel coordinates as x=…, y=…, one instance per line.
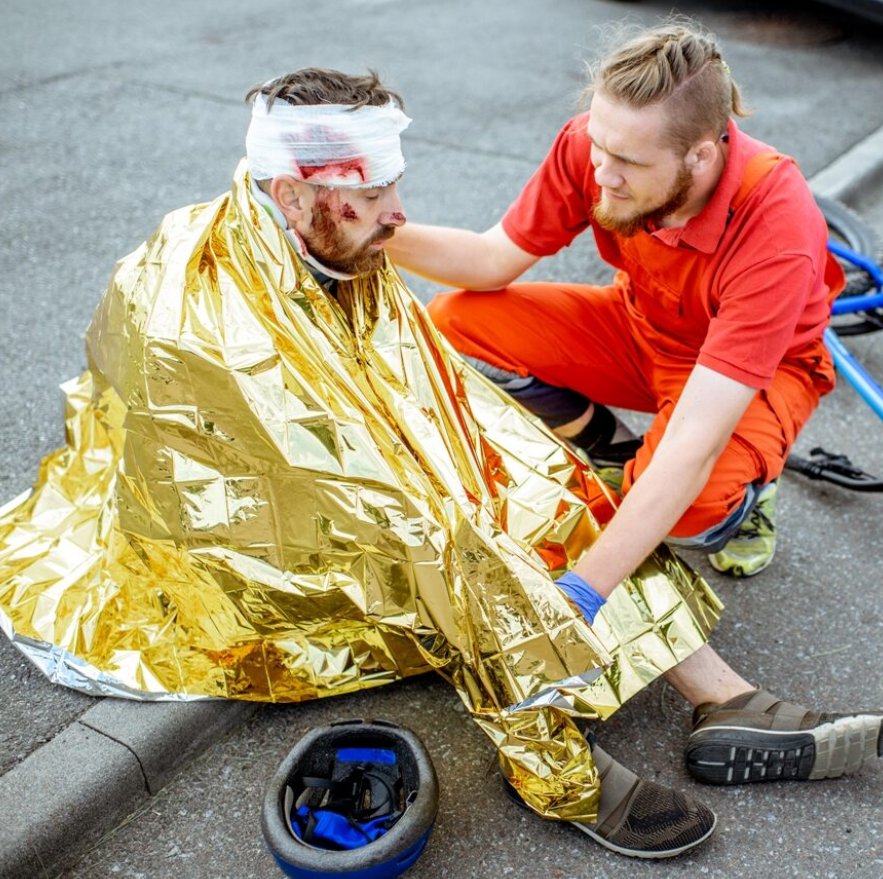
x=847, y=227
x=845, y=224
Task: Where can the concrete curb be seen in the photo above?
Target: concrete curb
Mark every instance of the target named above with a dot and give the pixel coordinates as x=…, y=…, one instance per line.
x=66, y=795
x=859, y=169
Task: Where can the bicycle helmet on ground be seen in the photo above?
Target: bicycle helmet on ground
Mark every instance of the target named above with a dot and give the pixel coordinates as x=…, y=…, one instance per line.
x=354, y=799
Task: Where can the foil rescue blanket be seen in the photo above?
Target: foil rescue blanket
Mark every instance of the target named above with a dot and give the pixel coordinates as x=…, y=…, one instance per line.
x=272, y=493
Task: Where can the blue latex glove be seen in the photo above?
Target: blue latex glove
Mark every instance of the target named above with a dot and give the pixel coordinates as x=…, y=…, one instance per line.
x=581, y=594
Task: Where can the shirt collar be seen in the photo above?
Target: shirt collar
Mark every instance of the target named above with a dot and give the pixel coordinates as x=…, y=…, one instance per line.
x=704, y=231
x=325, y=281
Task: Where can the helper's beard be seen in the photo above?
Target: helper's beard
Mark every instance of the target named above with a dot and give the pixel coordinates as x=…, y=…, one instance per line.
x=631, y=224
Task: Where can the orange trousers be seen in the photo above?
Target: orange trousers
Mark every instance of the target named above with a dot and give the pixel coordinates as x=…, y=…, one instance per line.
x=584, y=338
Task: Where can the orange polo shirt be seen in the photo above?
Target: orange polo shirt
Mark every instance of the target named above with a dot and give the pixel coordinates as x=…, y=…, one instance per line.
x=738, y=291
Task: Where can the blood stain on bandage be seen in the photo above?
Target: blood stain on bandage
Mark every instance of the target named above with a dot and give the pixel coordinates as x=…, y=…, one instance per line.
x=334, y=171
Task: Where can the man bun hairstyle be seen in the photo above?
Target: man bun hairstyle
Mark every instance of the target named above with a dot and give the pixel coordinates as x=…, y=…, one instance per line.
x=313, y=85
x=679, y=64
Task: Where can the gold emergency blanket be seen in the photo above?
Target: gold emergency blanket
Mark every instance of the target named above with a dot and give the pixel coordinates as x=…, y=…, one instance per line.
x=271, y=493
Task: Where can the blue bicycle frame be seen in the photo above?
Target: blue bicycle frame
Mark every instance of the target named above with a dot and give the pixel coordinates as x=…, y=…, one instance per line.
x=864, y=383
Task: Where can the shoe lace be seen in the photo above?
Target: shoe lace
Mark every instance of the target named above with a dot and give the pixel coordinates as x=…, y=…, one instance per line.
x=757, y=521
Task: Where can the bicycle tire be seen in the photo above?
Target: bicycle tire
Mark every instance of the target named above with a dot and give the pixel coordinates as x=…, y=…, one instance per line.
x=855, y=233
x=845, y=222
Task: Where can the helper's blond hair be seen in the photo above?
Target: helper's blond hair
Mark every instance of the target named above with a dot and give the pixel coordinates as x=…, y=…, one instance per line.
x=677, y=64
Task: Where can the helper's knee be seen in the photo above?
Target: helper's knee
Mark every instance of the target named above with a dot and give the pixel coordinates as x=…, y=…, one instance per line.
x=443, y=310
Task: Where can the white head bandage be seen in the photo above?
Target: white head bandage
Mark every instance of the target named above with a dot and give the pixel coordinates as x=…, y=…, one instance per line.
x=326, y=144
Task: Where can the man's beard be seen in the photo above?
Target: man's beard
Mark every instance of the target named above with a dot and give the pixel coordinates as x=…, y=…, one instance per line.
x=630, y=225
x=328, y=244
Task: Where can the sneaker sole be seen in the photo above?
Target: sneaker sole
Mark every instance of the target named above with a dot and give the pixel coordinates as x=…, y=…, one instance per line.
x=737, y=569
x=740, y=755
x=647, y=856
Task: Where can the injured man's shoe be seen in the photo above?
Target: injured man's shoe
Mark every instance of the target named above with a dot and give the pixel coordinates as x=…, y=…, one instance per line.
x=642, y=819
x=758, y=737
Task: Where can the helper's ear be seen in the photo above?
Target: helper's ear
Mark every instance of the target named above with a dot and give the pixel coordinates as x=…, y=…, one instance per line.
x=701, y=157
x=292, y=197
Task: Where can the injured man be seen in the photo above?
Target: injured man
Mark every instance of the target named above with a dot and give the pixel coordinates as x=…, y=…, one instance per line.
x=281, y=483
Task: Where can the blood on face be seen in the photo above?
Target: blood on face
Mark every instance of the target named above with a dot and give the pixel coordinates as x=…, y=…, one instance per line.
x=331, y=201
x=348, y=212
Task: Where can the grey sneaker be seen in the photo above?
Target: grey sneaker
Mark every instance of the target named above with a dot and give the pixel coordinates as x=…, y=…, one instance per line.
x=758, y=737
x=642, y=819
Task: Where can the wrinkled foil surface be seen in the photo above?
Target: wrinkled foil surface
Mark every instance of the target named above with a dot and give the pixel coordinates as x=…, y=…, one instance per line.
x=271, y=493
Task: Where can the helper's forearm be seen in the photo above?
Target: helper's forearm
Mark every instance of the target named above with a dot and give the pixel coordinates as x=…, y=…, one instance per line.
x=649, y=511
x=697, y=433
x=458, y=257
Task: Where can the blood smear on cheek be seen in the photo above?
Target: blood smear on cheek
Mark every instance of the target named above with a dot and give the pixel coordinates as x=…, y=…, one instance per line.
x=347, y=212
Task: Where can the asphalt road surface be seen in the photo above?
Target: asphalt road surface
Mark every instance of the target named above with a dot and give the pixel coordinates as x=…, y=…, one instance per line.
x=114, y=114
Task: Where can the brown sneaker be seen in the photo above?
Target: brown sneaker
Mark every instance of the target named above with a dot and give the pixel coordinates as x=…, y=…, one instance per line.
x=758, y=737
x=642, y=819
